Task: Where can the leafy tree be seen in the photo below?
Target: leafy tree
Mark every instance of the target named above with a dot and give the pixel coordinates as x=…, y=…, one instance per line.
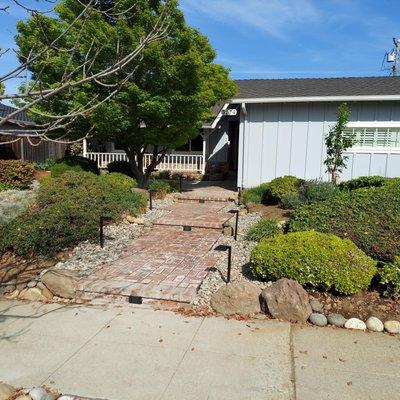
x=337, y=142
x=168, y=91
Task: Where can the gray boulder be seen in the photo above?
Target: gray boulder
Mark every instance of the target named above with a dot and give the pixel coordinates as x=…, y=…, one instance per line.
x=374, y=324
x=316, y=306
x=318, y=319
x=61, y=283
x=336, y=319
x=287, y=300
x=236, y=298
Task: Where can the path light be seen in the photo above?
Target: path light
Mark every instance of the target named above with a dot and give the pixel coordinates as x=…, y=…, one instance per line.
x=151, y=191
x=223, y=247
x=102, y=221
x=236, y=221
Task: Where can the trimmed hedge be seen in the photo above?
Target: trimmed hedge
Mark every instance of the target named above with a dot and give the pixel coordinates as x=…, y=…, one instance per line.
x=316, y=259
x=368, y=181
x=370, y=217
x=389, y=276
x=73, y=163
x=67, y=212
x=279, y=187
x=264, y=228
x=16, y=174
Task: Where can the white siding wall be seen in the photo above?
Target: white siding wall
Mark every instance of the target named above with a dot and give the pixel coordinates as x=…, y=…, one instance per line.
x=288, y=139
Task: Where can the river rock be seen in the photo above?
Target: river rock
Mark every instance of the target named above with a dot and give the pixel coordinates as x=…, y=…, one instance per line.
x=318, y=319
x=374, y=324
x=7, y=289
x=134, y=220
x=6, y=391
x=62, y=283
x=336, y=319
x=392, y=326
x=46, y=293
x=316, y=306
x=355, y=323
x=31, y=284
x=13, y=295
x=39, y=393
x=31, y=294
x=287, y=300
x=236, y=298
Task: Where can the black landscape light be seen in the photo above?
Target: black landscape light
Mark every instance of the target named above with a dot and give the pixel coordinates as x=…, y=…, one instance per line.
x=102, y=221
x=236, y=221
x=223, y=247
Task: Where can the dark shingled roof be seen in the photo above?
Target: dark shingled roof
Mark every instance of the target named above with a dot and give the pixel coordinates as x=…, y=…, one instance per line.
x=20, y=117
x=366, y=86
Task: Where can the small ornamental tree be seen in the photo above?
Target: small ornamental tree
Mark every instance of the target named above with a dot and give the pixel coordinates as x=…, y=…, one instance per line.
x=337, y=142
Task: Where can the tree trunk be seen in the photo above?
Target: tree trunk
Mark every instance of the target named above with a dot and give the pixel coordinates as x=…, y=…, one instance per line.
x=136, y=161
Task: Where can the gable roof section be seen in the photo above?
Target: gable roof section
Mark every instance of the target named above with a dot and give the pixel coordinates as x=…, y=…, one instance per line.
x=21, y=117
x=318, y=89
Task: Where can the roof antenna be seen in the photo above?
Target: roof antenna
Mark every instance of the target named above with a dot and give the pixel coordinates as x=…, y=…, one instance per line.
x=393, y=57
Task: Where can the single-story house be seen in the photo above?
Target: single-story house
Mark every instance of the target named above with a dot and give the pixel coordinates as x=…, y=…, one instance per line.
x=276, y=127
x=23, y=145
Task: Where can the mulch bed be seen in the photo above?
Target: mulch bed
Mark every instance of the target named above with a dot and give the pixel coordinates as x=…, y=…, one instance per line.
x=269, y=211
x=362, y=305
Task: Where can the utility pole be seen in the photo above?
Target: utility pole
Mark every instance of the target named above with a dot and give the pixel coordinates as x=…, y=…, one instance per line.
x=394, y=56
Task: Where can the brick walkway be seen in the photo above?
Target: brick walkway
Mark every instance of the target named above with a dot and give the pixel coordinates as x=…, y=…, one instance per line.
x=167, y=263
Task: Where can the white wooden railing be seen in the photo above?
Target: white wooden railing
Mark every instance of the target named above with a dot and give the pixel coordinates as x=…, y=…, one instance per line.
x=171, y=162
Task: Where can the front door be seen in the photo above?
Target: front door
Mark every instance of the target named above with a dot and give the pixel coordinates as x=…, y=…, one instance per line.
x=233, y=137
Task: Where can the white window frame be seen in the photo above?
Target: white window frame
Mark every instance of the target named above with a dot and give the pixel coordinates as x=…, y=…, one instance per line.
x=374, y=125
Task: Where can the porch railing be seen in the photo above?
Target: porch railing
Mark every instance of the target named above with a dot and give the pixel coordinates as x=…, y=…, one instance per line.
x=171, y=162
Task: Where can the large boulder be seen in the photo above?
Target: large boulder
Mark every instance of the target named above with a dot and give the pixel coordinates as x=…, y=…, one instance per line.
x=32, y=294
x=6, y=391
x=237, y=298
x=61, y=283
x=287, y=300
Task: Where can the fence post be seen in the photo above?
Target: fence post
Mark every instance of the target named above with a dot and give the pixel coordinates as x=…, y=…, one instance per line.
x=84, y=150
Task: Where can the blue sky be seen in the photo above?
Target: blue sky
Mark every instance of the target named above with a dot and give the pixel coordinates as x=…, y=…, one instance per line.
x=279, y=38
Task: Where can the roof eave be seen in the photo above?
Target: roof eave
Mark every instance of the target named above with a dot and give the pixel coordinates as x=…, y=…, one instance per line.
x=311, y=99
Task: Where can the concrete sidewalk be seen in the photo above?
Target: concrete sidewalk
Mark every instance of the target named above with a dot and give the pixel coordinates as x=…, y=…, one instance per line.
x=133, y=352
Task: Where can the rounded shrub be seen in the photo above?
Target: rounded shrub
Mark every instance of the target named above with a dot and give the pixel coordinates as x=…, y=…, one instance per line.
x=389, y=277
x=122, y=167
x=370, y=217
x=73, y=163
x=291, y=201
x=163, y=187
x=264, y=228
x=119, y=180
x=16, y=174
x=315, y=259
x=279, y=187
x=314, y=191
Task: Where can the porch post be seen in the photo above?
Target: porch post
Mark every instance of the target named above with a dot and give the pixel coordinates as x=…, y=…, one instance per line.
x=84, y=150
x=203, y=169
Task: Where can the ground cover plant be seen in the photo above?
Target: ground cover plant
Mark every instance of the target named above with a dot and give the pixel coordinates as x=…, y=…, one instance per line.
x=368, y=181
x=314, y=259
x=255, y=194
x=73, y=163
x=265, y=228
x=14, y=203
x=162, y=187
x=67, y=212
x=370, y=217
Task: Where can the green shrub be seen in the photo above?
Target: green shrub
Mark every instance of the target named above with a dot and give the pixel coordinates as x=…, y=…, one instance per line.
x=255, y=194
x=389, y=276
x=4, y=187
x=316, y=190
x=16, y=174
x=122, y=167
x=315, y=259
x=163, y=187
x=68, y=212
x=370, y=217
x=45, y=166
x=119, y=180
x=264, y=228
x=73, y=163
x=279, y=187
x=367, y=181
x=291, y=201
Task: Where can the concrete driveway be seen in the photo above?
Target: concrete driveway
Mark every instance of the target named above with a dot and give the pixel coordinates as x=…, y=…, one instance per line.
x=134, y=352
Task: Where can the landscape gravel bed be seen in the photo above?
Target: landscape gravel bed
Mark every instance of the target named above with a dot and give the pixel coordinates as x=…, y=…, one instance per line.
x=241, y=250
x=88, y=256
